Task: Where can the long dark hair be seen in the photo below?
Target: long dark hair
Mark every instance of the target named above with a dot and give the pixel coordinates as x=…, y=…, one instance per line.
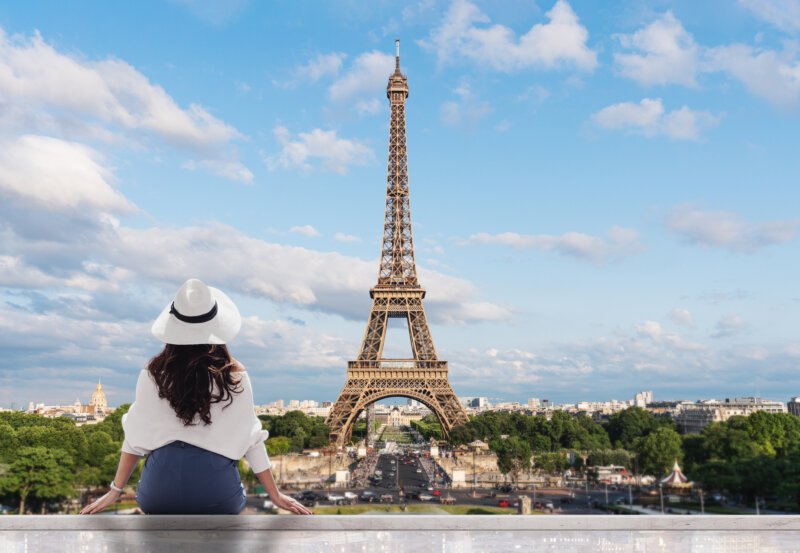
x=185, y=376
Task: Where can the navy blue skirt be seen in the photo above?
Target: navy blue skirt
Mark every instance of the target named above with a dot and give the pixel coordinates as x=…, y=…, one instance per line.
x=184, y=479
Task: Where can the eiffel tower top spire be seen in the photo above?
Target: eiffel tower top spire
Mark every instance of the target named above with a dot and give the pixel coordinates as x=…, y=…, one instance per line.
x=398, y=269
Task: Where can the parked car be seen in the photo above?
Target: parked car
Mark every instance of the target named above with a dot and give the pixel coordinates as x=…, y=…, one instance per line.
x=549, y=506
x=503, y=503
x=447, y=500
x=436, y=492
x=387, y=498
x=268, y=506
x=425, y=497
x=336, y=499
x=419, y=470
x=412, y=495
x=350, y=497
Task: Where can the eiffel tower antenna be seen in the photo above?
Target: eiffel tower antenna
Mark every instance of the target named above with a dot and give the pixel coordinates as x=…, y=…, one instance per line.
x=397, y=294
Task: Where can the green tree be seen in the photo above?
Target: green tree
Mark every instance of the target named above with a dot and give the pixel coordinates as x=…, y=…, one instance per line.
x=99, y=446
x=626, y=426
x=35, y=471
x=658, y=450
x=513, y=455
x=9, y=443
x=278, y=445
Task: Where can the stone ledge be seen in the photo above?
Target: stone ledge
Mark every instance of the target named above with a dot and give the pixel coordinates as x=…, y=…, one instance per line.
x=395, y=522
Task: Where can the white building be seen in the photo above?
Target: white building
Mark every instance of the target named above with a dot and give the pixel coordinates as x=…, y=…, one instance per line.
x=692, y=418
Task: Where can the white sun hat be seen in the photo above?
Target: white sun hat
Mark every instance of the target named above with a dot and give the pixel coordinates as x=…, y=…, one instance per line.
x=199, y=314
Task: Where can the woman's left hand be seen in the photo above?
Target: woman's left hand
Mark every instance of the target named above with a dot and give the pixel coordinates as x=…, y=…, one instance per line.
x=101, y=504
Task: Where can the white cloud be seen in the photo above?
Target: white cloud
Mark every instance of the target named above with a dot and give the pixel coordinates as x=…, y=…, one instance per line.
x=57, y=175
x=322, y=65
x=681, y=316
x=728, y=325
x=783, y=14
x=35, y=77
x=621, y=243
x=336, y=153
x=367, y=76
x=342, y=237
x=306, y=230
x=653, y=331
x=369, y=107
x=668, y=54
x=559, y=42
x=774, y=76
x=723, y=229
x=649, y=118
x=231, y=170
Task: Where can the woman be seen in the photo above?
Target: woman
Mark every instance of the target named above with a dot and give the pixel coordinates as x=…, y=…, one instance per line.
x=194, y=442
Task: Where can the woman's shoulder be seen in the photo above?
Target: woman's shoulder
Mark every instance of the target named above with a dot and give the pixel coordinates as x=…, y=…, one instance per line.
x=237, y=367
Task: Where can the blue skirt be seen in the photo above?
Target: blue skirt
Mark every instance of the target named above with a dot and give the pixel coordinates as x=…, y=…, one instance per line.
x=184, y=479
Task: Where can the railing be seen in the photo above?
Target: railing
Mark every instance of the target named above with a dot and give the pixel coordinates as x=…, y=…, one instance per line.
x=397, y=364
x=398, y=533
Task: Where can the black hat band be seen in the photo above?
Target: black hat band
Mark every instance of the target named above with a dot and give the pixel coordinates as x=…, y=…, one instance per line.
x=205, y=317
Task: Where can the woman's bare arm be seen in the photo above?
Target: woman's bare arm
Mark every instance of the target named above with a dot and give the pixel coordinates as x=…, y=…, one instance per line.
x=278, y=499
x=127, y=462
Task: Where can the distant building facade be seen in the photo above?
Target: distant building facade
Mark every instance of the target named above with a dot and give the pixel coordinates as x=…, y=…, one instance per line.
x=692, y=418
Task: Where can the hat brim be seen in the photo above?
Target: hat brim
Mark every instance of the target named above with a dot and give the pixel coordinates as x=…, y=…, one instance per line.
x=221, y=329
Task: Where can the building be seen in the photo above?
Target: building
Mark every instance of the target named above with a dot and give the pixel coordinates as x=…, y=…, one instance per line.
x=794, y=406
x=642, y=399
x=533, y=403
x=692, y=418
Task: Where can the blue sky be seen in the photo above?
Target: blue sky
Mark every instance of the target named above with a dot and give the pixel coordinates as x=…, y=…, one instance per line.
x=604, y=197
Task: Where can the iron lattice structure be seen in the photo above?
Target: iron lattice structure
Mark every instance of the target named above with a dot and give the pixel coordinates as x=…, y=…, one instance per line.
x=397, y=295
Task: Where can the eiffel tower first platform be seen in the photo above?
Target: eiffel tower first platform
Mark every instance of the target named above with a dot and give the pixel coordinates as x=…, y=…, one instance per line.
x=398, y=294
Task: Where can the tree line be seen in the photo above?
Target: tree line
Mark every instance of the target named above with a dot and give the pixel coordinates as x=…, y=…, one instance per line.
x=48, y=460
x=747, y=456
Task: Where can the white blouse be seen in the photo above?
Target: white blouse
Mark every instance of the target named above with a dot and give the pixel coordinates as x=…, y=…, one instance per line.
x=234, y=432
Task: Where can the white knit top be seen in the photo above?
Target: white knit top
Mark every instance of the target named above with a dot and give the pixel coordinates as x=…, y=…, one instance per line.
x=234, y=432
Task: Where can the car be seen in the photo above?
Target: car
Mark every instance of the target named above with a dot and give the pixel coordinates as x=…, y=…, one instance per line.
x=368, y=496
x=447, y=500
x=425, y=497
x=566, y=500
x=350, y=497
x=419, y=470
x=336, y=499
x=412, y=495
x=387, y=498
x=538, y=506
x=549, y=506
x=503, y=503
x=436, y=492
x=268, y=505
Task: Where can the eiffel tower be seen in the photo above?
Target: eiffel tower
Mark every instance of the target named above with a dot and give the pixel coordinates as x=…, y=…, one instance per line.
x=397, y=295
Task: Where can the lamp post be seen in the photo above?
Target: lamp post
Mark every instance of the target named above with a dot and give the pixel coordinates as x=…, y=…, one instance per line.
x=661, y=494
x=606, y=494
x=702, y=503
x=758, y=512
x=630, y=497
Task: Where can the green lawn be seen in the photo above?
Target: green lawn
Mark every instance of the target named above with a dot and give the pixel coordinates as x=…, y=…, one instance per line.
x=415, y=509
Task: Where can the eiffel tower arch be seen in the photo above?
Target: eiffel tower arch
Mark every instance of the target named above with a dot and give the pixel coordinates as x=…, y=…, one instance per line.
x=397, y=294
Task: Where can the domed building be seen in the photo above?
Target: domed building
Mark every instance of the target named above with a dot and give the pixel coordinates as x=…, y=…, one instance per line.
x=98, y=404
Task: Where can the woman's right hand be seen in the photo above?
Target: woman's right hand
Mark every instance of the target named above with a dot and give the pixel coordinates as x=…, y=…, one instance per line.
x=287, y=503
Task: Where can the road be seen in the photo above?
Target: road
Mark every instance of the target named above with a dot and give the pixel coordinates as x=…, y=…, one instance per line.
x=398, y=472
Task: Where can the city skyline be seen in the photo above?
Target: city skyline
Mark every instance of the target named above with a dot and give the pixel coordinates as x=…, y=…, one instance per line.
x=603, y=202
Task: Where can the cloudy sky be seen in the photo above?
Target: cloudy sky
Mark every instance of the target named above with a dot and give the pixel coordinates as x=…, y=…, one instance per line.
x=604, y=196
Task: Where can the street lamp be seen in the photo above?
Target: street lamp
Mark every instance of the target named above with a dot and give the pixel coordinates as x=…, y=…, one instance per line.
x=661, y=493
x=702, y=503
x=630, y=497
x=606, y=494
